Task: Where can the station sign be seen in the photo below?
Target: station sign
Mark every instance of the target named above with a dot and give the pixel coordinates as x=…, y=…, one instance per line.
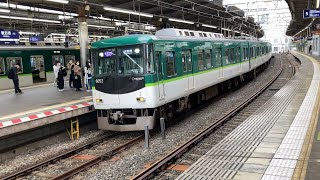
x=311, y=13
x=36, y=38
x=9, y=37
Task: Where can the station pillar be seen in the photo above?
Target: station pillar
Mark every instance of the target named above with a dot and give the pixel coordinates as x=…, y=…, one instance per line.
x=83, y=39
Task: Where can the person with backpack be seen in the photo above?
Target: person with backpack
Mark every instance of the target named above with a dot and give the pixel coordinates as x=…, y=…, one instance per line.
x=62, y=72
x=88, y=76
x=13, y=74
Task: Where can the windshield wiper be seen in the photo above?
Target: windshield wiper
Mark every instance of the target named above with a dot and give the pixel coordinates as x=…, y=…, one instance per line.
x=133, y=60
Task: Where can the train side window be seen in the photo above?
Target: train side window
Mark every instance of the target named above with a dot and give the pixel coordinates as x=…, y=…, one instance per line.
x=2, y=67
x=200, y=60
x=11, y=61
x=238, y=54
x=58, y=58
x=208, y=58
x=171, y=69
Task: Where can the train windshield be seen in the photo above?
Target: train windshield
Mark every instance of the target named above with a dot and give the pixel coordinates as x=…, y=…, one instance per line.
x=127, y=60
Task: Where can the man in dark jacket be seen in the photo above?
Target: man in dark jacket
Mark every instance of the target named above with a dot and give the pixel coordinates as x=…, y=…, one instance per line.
x=15, y=79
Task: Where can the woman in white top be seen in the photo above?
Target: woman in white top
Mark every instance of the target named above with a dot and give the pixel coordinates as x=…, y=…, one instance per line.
x=88, y=76
x=56, y=68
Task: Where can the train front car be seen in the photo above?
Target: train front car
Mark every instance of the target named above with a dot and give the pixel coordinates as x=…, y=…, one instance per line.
x=122, y=67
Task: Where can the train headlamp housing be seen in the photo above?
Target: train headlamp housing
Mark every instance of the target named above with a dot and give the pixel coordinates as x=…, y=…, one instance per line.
x=99, y=100
x=140, y=99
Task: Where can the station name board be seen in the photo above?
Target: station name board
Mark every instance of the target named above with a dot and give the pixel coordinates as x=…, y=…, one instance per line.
x=9, y=37
x=311, y=13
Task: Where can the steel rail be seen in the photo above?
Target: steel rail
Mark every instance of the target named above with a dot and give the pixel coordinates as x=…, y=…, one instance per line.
x=97, y=160
x=56, y=158
x=178, y=152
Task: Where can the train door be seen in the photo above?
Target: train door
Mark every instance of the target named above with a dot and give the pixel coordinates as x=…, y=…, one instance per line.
x=250, y=49
x=38, y=68
x=187, y=69
x=219, y=62
x=160, y=73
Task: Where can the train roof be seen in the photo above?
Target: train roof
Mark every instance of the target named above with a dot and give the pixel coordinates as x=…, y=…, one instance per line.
x=165, y=34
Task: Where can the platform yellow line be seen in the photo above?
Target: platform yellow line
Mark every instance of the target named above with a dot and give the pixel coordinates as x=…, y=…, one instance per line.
x=44, y=109
x=302, y=164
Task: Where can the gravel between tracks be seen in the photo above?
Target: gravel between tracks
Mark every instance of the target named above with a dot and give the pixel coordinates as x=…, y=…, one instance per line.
x=131, y=161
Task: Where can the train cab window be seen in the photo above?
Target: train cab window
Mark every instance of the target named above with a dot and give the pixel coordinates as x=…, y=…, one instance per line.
x=58, y=58
x=208, y=58
x=11, y=61
x=186, y=33
x=200, y=60
x=191, y=34
x=171, y=69
x=2, y=67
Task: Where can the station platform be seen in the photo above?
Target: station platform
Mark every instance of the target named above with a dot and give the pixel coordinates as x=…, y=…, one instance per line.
x=279, y=141
x=39, y=106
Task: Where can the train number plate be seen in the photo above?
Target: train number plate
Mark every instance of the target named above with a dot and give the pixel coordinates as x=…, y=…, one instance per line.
x=99, y=81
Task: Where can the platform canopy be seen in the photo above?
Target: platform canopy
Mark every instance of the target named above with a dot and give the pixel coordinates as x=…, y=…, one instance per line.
x=60, y=15
x=298, y=23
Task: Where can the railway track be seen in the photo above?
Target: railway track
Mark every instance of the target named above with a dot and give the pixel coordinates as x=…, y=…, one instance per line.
x=80, y=165
x=160, y=166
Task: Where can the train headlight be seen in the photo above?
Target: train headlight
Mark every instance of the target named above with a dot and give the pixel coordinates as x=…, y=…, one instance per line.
x=140, y=99
x=101, y=54
x=99, y=100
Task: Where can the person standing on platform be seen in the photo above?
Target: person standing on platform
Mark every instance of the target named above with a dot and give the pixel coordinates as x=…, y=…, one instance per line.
x=77, y=76
x=310, y=49
x=55, y=72
x=13, y=74
x=88, y=76
x=61, y=74
x=71, y=77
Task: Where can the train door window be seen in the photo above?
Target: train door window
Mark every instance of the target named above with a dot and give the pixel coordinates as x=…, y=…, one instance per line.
x=150, y=60
x=57, y=58
x=238, y=55
x=2, y=67
x=11, y=61
x=184, y=61
x=189, y=60
x=37, y=68
x=171, y=69
x=226, y=55
x=208, y=58
x=218, y=57
x=231, y=56
x=200, y=60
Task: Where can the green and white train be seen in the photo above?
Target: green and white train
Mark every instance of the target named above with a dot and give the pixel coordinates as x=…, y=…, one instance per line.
x=140, y=78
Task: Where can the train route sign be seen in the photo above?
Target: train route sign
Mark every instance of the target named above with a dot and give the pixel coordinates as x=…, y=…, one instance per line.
x=311, y=13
